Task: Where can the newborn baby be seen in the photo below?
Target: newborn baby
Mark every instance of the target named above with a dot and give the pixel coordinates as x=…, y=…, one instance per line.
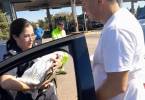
x=36, y=74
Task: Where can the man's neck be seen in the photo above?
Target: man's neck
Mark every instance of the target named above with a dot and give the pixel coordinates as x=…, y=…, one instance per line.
x=112, y=9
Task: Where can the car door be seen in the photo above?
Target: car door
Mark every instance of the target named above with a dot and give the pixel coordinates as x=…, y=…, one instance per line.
x=77, y=48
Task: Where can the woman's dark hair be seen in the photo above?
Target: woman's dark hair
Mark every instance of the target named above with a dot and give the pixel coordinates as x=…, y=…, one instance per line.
x=16, y=28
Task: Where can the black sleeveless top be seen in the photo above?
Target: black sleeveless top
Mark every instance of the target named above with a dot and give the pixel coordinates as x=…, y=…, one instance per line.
x=6, y=94
x=35, y=95
x=20, y=68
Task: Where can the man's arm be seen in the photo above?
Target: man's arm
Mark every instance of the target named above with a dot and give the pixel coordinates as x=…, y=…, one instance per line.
x=115, y=84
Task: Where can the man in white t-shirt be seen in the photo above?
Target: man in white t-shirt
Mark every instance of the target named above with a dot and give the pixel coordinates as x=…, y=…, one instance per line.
x=119, y=56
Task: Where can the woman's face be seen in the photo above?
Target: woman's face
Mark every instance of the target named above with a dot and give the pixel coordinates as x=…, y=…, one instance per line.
x=26, y=38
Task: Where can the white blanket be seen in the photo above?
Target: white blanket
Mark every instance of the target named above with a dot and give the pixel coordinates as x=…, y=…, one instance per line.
x=36, y=74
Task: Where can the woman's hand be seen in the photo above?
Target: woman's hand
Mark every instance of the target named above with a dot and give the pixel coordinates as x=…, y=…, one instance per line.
x=10, y=82
x=44, y=85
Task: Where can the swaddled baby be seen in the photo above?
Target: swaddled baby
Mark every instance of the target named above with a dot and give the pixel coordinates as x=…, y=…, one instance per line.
x=37, y=73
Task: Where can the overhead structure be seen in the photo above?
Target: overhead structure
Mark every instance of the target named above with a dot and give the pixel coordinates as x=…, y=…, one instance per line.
x=21, y=5
x=8, y=7
x=11, y=6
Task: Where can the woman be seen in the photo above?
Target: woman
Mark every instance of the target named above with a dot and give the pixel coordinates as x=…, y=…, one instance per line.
x=21, y=39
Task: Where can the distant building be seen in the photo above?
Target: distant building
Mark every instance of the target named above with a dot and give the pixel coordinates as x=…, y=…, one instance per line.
x=140, y=13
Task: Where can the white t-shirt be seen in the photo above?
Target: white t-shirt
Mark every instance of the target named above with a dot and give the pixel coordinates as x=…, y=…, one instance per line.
x=63, y=33
x=121, y=48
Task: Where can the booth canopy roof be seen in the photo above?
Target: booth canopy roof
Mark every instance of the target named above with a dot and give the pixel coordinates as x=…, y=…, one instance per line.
x=41, y=4
x=21, y=5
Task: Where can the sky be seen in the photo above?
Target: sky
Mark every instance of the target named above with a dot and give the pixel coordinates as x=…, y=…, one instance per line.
x=34, y=16
x=41, y=14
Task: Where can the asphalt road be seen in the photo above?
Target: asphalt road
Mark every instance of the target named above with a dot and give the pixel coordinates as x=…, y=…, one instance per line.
x=67, y=89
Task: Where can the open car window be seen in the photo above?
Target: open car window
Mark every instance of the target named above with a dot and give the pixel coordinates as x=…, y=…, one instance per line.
x=77, y=48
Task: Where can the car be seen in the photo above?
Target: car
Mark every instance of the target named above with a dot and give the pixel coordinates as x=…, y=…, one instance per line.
x=142, y=22
x=3, y=49
x=95, y=25
x=76, y=43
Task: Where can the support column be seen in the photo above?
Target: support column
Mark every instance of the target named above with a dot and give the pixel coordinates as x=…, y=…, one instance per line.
x=48, y=16
x=132, y=8
x=49, y=19
x=73, y=4
x=85, y=21
x=14, y=15
x=120, y=2
x=9, y=9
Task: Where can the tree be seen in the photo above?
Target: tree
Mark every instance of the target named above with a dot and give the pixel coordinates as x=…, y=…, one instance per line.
x=3, y=26
x=43, y=24
x=63, y=16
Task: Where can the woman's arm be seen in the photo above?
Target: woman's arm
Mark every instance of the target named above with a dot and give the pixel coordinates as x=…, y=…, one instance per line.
x=10, y=82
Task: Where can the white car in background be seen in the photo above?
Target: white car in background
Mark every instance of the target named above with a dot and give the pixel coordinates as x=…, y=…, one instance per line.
x=142, y=22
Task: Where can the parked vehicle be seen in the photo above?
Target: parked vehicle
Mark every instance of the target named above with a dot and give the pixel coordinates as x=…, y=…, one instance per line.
x=95, y=25
x=142, y=22
x=76, y=43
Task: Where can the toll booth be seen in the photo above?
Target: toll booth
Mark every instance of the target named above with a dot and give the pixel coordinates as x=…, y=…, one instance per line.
x=77, y=48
